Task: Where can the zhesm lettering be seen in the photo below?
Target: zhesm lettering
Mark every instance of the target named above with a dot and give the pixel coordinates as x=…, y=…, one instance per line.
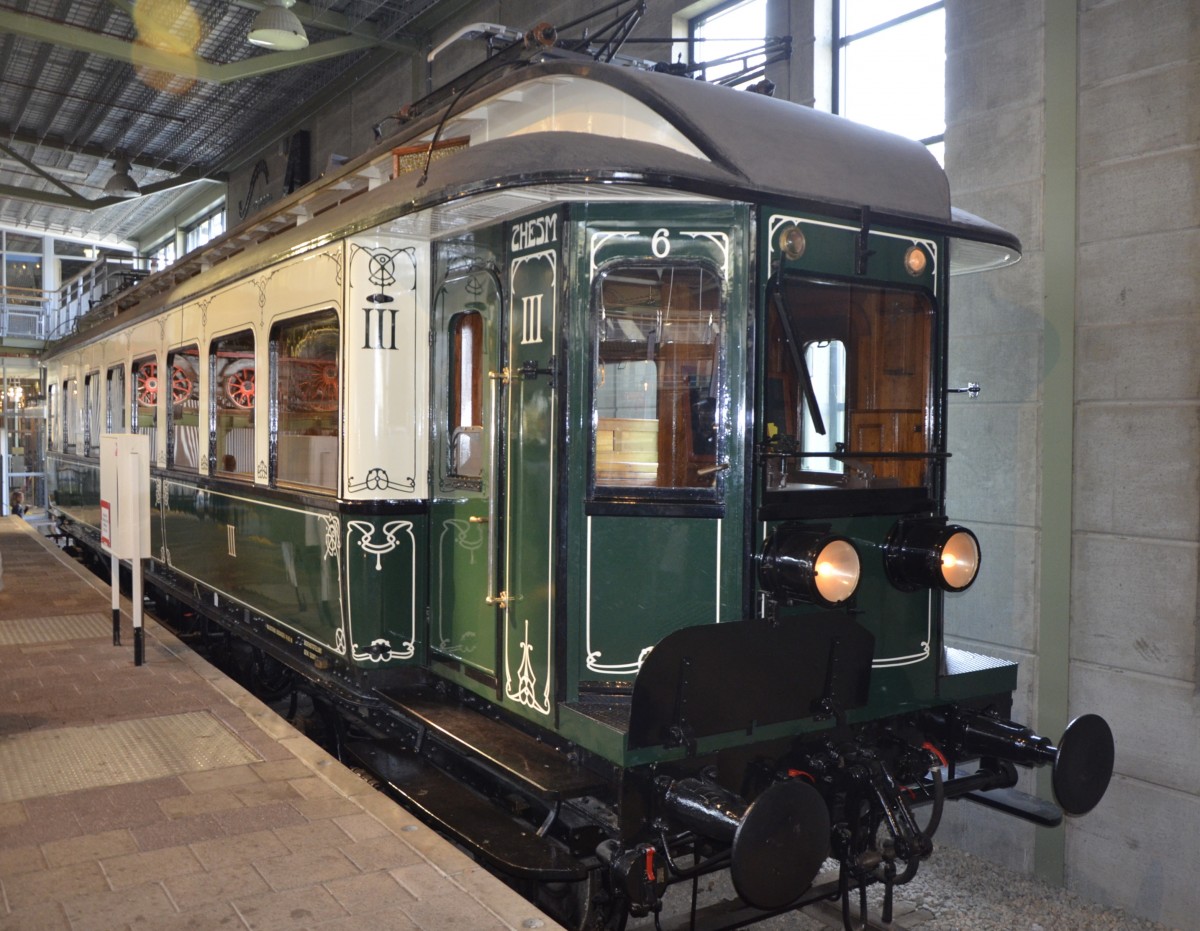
x=538, y=231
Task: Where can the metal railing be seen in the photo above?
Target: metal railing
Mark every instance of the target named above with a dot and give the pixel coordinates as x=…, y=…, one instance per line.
x=88, y=292
x=23, y=313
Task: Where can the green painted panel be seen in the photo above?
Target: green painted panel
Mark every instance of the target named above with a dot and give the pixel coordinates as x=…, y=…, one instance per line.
x=646, y=577
x=385, y=572
x=462, y=623
x=279, y=560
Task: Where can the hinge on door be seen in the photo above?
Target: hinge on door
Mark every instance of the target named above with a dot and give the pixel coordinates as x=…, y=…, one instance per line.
x=505, y=376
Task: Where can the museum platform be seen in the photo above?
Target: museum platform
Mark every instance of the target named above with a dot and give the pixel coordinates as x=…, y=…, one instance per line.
x=165, y=796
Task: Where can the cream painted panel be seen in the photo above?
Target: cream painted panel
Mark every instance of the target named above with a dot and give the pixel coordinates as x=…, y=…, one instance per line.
x=386, y=367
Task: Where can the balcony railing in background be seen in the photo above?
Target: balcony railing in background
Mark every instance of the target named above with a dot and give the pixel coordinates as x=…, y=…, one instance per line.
x=23, y=313
x=88, y=291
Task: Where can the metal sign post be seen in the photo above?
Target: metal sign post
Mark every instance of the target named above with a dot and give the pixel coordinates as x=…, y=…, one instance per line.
x=125, y=520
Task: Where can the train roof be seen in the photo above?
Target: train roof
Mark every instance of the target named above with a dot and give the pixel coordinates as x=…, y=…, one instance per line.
x=750, y=145
x=532, y=131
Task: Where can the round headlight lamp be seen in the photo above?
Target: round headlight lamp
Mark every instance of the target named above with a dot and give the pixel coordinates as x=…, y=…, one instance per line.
x=931, y=554
x=809, y=565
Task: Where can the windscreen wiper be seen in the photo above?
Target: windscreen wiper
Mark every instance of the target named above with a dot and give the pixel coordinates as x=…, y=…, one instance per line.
x=806, y=385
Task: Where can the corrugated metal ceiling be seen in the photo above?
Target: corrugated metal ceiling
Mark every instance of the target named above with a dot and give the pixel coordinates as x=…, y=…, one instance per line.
x=76, y=93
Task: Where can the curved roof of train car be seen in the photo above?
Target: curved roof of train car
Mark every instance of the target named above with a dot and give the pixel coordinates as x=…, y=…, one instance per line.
x=756, y=145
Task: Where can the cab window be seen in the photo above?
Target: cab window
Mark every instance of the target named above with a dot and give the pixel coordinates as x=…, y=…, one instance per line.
x=847, y=389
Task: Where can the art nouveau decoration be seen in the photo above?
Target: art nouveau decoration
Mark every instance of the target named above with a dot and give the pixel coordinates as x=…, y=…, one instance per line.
x=386, y=327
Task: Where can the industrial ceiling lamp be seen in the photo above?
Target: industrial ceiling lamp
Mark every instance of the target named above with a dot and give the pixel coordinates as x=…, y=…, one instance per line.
x=276, y=27
x=121, y=184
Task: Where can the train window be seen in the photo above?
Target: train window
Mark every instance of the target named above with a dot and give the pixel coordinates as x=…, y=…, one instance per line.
x=304, y=357
x=93, y=420
x=71, y=416
x=231, y=403
x=145, y=399
x=52, y=404
x=826, y=363
x=658, y=381
x=847, y=392
x=183, y=413
x=116, y=399
x=466, y=395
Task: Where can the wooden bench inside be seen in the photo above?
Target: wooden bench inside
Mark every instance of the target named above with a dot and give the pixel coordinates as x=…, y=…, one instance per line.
x=626, y=451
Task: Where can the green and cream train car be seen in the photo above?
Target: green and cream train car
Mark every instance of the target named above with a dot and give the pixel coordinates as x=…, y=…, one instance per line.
x=585, y=446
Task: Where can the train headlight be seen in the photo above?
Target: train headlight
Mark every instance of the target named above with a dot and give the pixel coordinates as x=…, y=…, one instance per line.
x=931, y=554
x=809, y=565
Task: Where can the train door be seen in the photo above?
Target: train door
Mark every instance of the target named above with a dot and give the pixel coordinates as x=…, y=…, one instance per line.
x=661, y=391
x=531, y=415
x=463, y=514
x=492, y=518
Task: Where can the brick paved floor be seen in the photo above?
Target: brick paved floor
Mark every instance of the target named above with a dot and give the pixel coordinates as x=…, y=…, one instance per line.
x=292, y=840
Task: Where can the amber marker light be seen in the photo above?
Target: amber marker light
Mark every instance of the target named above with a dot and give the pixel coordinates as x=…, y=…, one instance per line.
x=931, y=554
x=916, y=259
x=807, y=565
x=792, y=242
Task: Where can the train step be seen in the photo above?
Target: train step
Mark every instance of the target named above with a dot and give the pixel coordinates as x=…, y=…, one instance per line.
x=1021, y=804
x=454, y=809
x=541, y=769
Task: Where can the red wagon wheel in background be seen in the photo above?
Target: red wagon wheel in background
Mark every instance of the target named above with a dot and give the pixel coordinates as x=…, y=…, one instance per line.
x=317, y=385
x=239, y=388
x=181, y=385
x=147, y=384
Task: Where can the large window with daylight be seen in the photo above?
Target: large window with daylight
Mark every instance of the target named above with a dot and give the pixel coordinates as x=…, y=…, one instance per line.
x=162, y=255
x=206, y=228
x=729, y=39
x=890, y=67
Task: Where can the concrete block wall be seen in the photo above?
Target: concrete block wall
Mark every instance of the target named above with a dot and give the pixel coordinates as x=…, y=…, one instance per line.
x=1135, y=543
x=1137, y=449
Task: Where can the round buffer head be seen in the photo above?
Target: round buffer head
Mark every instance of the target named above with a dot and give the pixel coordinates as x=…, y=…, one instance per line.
x=1083, y=764
x=780, y=845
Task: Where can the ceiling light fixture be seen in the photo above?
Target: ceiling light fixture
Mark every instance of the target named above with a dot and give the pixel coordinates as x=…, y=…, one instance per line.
x=121, y=184
x=276, y=27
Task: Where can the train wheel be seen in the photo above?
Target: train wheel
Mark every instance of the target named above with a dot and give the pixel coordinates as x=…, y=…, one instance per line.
x=587, y=905
x=239, y=388
x=271, y=679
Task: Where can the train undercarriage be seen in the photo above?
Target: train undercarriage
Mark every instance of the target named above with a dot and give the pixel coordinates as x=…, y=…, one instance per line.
x=795, y=822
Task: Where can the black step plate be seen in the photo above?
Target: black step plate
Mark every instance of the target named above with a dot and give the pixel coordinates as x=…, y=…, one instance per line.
x=523, y=758
x=1022, y=804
